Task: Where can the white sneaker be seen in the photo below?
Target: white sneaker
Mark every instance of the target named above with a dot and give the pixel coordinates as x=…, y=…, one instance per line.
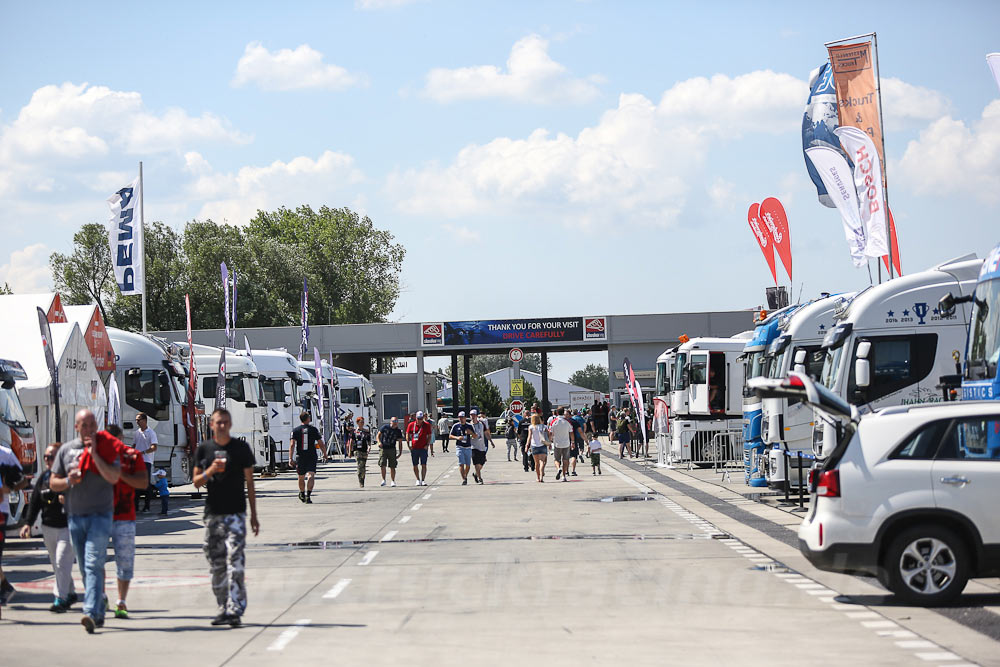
x=392, y=484
x=383, y=483
x=419, y=483
x=423, y=482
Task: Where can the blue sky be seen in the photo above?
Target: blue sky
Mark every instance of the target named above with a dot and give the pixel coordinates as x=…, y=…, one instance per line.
x=602, y=153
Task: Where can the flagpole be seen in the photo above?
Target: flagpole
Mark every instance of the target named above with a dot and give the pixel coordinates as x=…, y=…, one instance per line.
x=885, y=161
x=142, y=227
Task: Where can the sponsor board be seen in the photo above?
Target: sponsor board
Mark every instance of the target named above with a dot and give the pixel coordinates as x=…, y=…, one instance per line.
x=595, y=328
x=432, y=334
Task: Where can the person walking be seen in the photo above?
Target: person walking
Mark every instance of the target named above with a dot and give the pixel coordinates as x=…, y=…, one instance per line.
x=224, y=465
x=576, y=450
x=434, y=433
x=160, y=482
x=594, y=451
x=527, y=460
x=145, y=444
x=444, y=432
x=86, y=470
x=462, y=433
x=390, y=439
x=510, y=432
x=302, y=452
x=561, y=432
x=418, y=439
x=55, y=534
x=133, y=477
x=480, y=438
x=538, y=445
x=359, y=441
x=624, y=436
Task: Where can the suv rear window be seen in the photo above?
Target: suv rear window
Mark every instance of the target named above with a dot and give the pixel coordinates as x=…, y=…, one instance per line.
x=923, y=444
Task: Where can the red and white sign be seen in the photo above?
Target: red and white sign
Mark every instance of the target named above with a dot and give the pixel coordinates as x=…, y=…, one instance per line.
x=432, y=334
x=517, y=407
x=772, y=214
x=595, y=328
x=516, y=355
x=763, y=237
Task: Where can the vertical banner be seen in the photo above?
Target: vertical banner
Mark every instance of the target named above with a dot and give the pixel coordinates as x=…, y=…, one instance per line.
x=192, y=388
x=246, y=346
x=818, y=123
x=772, y=213
x=857, y=96
x=893, y=244
x=335, y=403
x=114, y=412
x=125, y=238
x=220, y=383
x=635, y=394
x=232, y=340
x=225, y=302
x=50, y=362
x=319, y=387
x=869, y=185
x=763, y=237
x=832, y=167
x=304, y=342
x=993, y=60
x=661, y=416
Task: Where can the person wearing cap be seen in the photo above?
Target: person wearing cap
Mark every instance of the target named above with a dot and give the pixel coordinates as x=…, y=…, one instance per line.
x=160, y=482
x=418, y=438
x=462, y=433
x=480, y=444
x=389, y=439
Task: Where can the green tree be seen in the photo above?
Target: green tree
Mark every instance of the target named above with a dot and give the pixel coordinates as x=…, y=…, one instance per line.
x=593, y=376
x=6, y=289
x=164, y=285
x=486, y=395
x=487, y=363
x=85, y=275
x=529, y=398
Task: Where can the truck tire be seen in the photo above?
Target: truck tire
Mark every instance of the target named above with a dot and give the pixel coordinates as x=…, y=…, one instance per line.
x=926, y=565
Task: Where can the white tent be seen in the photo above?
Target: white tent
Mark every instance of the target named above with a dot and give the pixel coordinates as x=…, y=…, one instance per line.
x=79, y=383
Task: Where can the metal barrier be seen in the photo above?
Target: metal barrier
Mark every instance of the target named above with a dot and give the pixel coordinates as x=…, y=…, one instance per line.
x=717, y=449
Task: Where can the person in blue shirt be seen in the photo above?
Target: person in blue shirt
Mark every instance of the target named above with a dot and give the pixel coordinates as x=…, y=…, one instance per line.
x=462, y=433
x=162, y=489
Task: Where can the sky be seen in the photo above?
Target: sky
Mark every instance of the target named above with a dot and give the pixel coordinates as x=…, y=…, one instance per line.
x=536, y=158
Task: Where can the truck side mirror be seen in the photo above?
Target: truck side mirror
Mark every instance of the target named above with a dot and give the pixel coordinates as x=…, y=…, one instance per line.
x=946, y=305
x=862, y=373
x=799, y=361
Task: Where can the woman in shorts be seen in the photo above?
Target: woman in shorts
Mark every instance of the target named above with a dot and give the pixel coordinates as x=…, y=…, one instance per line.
x=537, y=435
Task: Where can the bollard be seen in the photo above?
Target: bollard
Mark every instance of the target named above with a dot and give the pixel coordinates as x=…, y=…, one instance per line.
x=800, y=480
x=788, y=481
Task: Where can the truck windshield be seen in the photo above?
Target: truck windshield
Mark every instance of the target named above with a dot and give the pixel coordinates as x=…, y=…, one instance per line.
x=778, y=368
x=234, y=388
x=831, y=367
x=680, y=372
x=351, y=395
x=984, y=339
x=273, y=389
x=10, y=407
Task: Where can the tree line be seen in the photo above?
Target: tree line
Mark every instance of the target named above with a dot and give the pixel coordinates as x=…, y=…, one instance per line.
x=351, y=266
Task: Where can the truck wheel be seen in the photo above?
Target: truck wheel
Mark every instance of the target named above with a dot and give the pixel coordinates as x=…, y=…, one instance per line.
x=926, y=565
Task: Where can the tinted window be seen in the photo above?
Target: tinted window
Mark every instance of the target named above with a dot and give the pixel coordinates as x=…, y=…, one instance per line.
x=896, y=362
x=972, y=439
x=148, y=391
x=351, y=395
x=234, y=388
x=923, y=444
x=699, y=373
x=273, y=389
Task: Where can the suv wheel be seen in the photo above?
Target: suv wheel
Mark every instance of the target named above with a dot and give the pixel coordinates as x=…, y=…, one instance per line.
x=926, y=565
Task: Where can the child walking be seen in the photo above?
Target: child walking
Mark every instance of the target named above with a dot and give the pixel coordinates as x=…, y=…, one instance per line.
x=163, y=489
x=594, y=450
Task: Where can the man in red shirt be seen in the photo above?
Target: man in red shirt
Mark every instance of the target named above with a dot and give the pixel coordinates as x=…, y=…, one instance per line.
x=123, y=521
x=418, y=436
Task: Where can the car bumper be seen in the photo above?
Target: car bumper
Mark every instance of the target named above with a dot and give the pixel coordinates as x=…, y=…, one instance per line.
x=843, y=558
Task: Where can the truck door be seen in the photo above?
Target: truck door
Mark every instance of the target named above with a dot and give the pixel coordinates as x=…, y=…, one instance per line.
x=698, y=389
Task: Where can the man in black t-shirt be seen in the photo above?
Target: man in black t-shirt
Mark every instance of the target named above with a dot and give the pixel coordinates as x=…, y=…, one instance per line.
x=302, y=450
x=390, y=438
x=225, y=465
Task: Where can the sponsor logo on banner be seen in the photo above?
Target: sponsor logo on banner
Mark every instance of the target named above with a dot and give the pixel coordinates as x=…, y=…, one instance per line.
x=857, y=98
x=499, y=332
x=772, y=213
x=125, y=237
x=869, y=186
x=832, y=167
x=595, y=328
x=432, y=334
x=763, y=237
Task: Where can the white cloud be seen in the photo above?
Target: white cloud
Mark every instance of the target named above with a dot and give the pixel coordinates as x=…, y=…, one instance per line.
x=27, y=270
x=289, y=69
x=236, y=197
x=723, y=195
x=83, y=122
x=531, y=76
x=637, y=164
x=904, y=103
x=462, y=234
x=951, y=157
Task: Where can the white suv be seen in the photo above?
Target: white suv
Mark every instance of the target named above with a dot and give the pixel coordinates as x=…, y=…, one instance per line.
x=910, y=495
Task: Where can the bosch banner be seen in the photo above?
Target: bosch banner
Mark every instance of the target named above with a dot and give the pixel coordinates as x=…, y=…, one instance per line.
x=503, y=332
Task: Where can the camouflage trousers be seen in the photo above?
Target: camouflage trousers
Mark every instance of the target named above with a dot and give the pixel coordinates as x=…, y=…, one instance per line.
x=225, y=540
x=362, y=458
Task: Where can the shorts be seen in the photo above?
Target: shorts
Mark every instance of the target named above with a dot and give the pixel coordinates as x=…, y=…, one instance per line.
x=574, y=451
x=464, y=456
x=595, y=459
x=540, y=450
x=562, y=454
x=478, y=457
x=388, y=457
x=418, y=456
x=123, y=542
x=304, y=464
x=445, y=437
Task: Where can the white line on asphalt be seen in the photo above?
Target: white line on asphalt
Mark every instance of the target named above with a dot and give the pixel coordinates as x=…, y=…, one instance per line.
x=337, y=589
x=916, y=643
x=879, y=624
x=898, y=634
x=446, y=476
x=942, y=655
x=369, y=557
x=427, y=496
x=288, y=635
x=862, y=614
x=405, y=519
x=417, y=506
x=388, y=536
x=435, y=488
x=819, y=591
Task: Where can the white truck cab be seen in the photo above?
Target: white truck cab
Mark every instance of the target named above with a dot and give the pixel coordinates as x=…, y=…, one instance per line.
x=279, y=376
x=891, y=343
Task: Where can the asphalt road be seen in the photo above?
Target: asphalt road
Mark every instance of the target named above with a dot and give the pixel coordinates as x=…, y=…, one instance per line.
x=637, y=565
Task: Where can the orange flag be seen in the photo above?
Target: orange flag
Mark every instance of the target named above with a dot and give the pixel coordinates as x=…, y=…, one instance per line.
x=857, y=98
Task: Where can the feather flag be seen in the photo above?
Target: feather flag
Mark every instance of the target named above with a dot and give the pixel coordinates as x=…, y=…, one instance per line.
x=763, y=237
x=772, y=213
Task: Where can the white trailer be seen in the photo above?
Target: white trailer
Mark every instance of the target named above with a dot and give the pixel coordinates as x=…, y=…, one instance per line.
x=891, y=343
x=788, y=424
x=356, y=394
x=279, y=378
x=152, y=379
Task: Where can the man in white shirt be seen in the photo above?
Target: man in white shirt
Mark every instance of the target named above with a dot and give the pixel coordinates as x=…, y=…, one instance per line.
x=145, y=444
x=561, y=433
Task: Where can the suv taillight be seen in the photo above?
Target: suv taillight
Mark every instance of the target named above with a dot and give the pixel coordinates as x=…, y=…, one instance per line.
x=828, y=484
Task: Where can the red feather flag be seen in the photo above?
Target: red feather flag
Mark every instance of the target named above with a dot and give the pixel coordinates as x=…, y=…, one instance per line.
x=763, y=238
x=772, y=214
x=894, y=245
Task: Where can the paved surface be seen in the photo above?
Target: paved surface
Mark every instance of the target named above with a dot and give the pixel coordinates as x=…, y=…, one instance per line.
x=511, y=571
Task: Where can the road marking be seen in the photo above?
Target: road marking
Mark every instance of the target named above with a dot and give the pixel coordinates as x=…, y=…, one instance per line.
x=879, y=624
x=942, y=655
x=388, y=536
x=435, y=488
x=337, y=589
x=417, y=506
x=916, y=643
x=446, y=476
x=369, y=557
x=898, y=634
x=288, y=635
x=862, y=614
x=405, y=519
x=427, y=496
